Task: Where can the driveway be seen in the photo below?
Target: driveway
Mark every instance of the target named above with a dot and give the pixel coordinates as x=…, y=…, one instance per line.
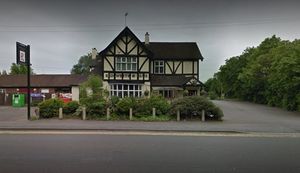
x=246, y=115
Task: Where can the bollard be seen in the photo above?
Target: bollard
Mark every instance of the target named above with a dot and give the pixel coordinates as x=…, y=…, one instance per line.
x=130, y=114
x=84, y=113
x=203, y=116
x=178, y=115
x=60, y=115
x=37, y=113
x=107, y=114
x=153, y=112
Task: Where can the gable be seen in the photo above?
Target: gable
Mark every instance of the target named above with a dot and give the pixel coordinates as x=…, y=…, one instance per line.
x=193, y=82
x=126, y=44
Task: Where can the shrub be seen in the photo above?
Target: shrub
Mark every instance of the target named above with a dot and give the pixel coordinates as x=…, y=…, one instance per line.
x=114, y=100
x=212, y=95
x=35, y=103
x=145, y=106
x=71, y=107
x=49, y=108
x=123, y=106
x=96, y=109
x=191, y=105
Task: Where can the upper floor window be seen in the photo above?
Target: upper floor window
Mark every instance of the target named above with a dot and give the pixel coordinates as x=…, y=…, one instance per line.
x=126, y=63
x=159, y=67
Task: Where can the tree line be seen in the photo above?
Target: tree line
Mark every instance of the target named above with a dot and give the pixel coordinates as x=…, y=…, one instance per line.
x=16, y=69
x=267, y=74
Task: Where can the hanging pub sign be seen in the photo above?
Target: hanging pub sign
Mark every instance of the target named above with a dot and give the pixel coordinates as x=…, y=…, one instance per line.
x=22, y=53
x=23, y=57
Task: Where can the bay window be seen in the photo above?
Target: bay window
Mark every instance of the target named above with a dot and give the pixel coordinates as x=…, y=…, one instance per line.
x=126, y=90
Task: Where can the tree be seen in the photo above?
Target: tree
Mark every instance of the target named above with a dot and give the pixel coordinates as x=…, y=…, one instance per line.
x=16, y=69
x=267, y=74
x=91, y=90
x=83, y=65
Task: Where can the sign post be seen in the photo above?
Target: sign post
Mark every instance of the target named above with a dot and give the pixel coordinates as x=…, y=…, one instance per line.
x=23, y=58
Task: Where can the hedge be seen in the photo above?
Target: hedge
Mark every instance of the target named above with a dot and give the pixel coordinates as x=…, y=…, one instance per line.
x=193, y=105
x=49, y=108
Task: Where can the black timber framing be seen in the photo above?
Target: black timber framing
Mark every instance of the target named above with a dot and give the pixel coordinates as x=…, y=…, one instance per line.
x=127, y=37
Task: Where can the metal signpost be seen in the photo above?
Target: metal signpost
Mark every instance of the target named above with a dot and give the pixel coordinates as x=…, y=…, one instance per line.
x=23, y=57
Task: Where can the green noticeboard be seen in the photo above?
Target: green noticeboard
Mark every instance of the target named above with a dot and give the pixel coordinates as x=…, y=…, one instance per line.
x=18, y=100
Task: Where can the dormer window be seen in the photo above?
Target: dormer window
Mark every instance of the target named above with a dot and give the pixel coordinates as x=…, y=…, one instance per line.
x=159, y=67
x=126, y=63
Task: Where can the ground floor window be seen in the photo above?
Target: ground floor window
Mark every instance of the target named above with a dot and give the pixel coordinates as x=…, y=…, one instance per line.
x=126, y=90
x=167, y=93
x=192, y=92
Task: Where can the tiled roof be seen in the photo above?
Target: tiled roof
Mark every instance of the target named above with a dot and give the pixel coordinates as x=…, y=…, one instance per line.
x=169, y=80
x=42, y=80
x=175, y=50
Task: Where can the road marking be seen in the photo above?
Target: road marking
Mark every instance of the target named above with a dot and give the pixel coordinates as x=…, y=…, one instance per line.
x=149, y=133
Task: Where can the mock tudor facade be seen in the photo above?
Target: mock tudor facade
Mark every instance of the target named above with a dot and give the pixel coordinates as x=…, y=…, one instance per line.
x=131, y=68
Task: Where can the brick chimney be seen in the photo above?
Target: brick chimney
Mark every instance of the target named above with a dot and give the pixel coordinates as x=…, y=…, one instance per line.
x=147, y=39
x=94, y=53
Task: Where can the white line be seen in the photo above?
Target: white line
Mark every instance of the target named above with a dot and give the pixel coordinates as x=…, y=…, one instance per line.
x=151, y=133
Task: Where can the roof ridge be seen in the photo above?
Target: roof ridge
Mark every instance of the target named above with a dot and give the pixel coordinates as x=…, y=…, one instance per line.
x=172, y=42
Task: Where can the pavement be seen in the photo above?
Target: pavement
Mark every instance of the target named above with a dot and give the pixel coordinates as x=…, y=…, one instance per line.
x=240, y=117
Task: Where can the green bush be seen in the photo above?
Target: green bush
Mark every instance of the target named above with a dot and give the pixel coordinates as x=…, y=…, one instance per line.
x=35, y=103
x=96, y=109
x=114, y=100
x=49, y=108
x=212, y=95
x=71, y=107
x=123, y=106
x=146, y=105
x=193, y=105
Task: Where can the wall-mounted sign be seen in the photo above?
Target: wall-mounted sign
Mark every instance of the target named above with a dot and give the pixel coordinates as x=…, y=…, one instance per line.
x=45, y=91
x=36, y=95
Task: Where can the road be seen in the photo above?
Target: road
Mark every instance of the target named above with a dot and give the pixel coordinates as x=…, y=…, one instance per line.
x=47, y=153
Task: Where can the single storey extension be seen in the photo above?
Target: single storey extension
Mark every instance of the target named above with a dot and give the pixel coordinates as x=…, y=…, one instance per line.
x=42, y=86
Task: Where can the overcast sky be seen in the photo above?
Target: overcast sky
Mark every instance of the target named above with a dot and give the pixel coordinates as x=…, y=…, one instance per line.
x=60, y=31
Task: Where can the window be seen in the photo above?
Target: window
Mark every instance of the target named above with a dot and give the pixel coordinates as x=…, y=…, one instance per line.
x=126, y=63
x=167, y=93
x=158, y=67
x=126, y=90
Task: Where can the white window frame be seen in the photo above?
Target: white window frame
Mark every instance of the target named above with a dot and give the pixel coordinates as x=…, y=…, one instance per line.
x=126, y=64
x=2, y=90
x=125, y=89
x=159, y=67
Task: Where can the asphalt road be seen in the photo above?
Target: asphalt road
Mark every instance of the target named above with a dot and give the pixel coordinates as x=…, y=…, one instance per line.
x=34, y=153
